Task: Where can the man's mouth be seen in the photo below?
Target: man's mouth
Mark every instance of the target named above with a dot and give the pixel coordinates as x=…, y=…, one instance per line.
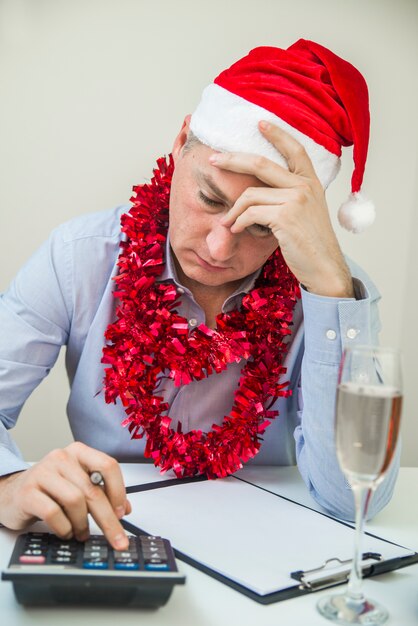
x=209, y=266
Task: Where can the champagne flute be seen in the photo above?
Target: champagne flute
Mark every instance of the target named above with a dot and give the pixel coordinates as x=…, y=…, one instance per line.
x=367, y=420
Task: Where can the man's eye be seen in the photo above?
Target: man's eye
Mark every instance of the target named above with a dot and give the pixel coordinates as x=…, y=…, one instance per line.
x=207, y=200
x=259, y=230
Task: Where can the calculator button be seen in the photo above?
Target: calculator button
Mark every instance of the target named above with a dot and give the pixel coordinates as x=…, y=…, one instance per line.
x=72, y=549
x=127, y=560
x=149, y=537
x=151, y=551
x=156, y=564
x=95, y=564
x=160, y=567
x=36, y=546
x=155, y=557
x=63, y=559
x=128, y=565
x=31, y=559
x=124, y=555
x=93, y=554
x=153, y=548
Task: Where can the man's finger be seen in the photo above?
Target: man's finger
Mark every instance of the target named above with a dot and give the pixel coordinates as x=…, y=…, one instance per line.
x=104, y=516
x=97, y=503
x=94, y=460
x=77, y=496
x=71, y=499
x=40, y=505
x=265, y=216
x=293, y=151
x=268, y=172
x=255, y=196
x=73, y=496
x=106, y=504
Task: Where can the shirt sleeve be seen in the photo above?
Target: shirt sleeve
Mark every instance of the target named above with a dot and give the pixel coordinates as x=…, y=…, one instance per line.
x=35, y=315
x=330, y=324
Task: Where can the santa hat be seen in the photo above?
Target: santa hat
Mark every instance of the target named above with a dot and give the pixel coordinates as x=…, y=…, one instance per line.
x=307, y=90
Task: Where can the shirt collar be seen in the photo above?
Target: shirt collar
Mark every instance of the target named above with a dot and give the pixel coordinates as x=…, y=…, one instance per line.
x=169, y=273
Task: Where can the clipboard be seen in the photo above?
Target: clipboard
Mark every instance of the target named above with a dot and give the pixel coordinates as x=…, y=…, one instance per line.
x=179, y=508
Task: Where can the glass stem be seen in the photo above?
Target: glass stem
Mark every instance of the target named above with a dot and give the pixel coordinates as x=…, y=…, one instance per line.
x=362, y=496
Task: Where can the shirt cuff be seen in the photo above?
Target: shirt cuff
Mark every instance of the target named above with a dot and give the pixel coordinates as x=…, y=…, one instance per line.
x=10, y=463
x=333, y=323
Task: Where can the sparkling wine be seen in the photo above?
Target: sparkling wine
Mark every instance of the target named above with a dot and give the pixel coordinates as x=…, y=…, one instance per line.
x=367, y=421
x=367, y=427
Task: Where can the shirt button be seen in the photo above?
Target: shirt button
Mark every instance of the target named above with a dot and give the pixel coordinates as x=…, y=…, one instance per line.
x=192, y=322
x=331, y=334
x=352, y=333
x=180, y=290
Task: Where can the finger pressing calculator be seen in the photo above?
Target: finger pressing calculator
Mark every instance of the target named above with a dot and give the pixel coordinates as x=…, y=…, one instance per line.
x=47, y=570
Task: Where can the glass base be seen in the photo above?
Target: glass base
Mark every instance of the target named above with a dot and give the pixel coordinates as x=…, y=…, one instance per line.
x=341, y=609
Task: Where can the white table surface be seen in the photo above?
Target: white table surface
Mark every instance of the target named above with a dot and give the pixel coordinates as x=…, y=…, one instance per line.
x=203, y=601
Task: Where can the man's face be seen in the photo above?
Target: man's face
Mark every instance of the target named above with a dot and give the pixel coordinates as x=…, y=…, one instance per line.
x=207, y=253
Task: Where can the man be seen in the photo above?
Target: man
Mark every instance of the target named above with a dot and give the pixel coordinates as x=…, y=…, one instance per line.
x=223, y=334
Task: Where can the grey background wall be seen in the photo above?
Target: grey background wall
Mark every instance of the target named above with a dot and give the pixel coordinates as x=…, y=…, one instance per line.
x=92, y=91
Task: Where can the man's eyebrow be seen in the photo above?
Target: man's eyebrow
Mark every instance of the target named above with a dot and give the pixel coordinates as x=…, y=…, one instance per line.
x=208, y=180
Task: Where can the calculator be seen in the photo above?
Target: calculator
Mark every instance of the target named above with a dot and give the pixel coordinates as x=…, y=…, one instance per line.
x=47, y=570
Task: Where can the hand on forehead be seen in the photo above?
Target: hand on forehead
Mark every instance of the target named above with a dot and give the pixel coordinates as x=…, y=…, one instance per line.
x=264, y=169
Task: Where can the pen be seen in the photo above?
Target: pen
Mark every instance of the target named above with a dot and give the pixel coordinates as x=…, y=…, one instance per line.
x=96, y=478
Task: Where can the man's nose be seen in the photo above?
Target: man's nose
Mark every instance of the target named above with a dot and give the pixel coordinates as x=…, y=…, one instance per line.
x=222, y=244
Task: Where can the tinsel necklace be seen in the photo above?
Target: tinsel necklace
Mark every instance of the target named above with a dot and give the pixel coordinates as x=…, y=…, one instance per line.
x=149, y=340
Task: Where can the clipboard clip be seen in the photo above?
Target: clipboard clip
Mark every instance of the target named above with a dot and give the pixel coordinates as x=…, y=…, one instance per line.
x=333, y=572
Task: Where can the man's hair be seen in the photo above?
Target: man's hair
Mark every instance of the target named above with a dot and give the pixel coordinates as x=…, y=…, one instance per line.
x=191, y=141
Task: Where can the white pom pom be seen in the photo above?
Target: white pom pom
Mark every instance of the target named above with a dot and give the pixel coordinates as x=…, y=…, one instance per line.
x=357, y=213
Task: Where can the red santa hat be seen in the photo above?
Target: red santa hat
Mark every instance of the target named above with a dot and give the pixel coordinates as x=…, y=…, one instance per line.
x=319, y=98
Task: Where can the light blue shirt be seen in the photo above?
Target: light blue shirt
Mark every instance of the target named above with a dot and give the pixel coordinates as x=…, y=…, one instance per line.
x=64, y=296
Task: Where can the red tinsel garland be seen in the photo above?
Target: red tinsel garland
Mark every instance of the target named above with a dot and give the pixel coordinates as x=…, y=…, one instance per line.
x=149, y=339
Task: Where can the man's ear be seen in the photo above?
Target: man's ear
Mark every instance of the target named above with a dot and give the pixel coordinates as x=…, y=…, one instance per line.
x=181, y=138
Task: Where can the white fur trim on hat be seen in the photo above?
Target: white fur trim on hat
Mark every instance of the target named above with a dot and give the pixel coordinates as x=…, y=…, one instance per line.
x=228, y=123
